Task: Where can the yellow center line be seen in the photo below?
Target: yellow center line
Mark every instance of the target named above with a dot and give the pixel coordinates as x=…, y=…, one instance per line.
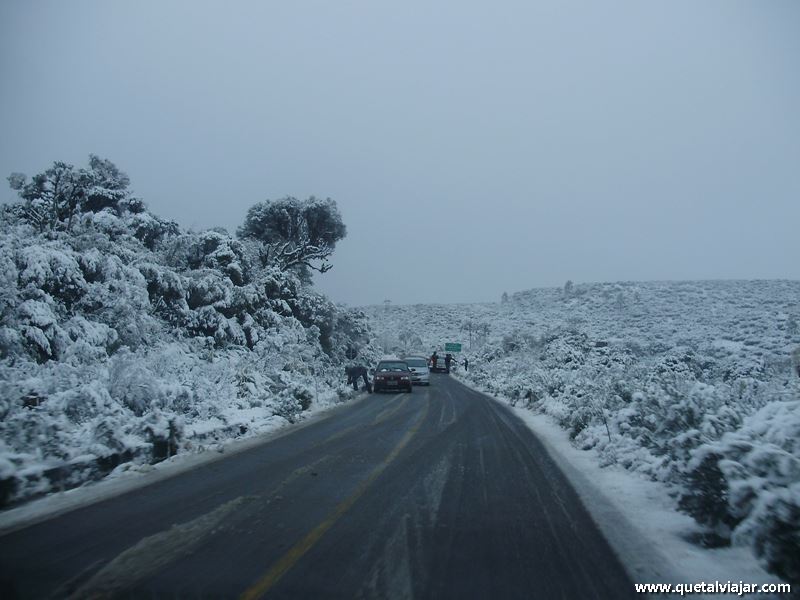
x=390, y=411
x=340, y=434
x=379, y=418
x=296, y=552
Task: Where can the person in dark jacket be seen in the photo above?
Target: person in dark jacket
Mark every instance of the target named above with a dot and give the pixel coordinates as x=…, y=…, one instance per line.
x=466, y=364
x=448, y=358
x=353, y=374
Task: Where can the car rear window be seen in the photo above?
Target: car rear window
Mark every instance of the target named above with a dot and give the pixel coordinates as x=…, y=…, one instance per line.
x=392, y=366
x=417, y=362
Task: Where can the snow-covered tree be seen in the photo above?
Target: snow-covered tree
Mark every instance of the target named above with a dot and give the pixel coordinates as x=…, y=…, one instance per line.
x=54, y=196
x=298, y=234
x=108, y=186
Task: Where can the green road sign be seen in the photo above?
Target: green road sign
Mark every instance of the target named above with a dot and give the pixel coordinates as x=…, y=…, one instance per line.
x=452, y=347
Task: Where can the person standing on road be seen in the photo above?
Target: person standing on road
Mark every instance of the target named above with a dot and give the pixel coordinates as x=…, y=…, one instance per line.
x=434, y=359
x=448, y=358
x=466, y=364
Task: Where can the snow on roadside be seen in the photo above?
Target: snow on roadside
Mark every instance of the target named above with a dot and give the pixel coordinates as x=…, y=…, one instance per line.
x=132, y=476
x=647, y=504
x=639, y=518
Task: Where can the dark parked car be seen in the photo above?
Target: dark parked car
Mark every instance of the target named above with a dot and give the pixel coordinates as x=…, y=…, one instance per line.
x=440, y=366
x=392, y=375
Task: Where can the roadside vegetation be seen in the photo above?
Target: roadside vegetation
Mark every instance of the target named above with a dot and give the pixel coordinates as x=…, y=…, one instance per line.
x=125, y=339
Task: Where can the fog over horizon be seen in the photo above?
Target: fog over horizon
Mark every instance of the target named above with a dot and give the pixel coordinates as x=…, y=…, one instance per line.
x=473, y=148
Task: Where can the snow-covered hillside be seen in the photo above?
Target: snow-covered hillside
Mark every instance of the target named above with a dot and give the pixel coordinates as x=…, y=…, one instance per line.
x=688, y=383
x=124, y=339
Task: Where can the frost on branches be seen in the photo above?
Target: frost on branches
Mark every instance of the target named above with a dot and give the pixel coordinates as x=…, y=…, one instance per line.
x=124, y=339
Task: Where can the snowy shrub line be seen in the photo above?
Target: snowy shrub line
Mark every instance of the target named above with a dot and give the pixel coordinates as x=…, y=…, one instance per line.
x=747, y=486
x=124, y=339
x=687, y=383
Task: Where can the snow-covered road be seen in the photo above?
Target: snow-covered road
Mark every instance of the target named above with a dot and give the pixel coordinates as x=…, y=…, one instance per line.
x=439, y=493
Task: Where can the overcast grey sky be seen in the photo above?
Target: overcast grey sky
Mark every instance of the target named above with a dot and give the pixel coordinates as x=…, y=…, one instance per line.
x=472, y=147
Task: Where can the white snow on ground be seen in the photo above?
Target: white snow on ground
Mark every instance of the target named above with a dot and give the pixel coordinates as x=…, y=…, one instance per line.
x=131, y=476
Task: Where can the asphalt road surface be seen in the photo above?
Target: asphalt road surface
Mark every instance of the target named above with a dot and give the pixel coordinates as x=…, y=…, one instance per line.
x=441, y=493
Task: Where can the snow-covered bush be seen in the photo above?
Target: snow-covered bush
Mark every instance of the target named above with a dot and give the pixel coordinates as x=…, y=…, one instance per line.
x=208, y=287
x=166, y=292
x=9, y=276
x=130, y=383
x=292, y=401
x=40, y=330
x=49, y=269
x=745, y=486
x=150, y=230
x=773, y=530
